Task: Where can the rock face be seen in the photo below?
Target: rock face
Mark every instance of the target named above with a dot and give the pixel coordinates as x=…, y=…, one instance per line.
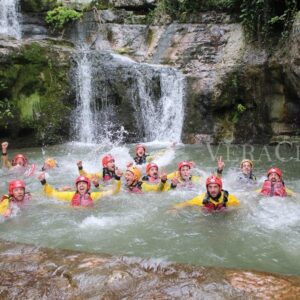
x=236, y=91
x=29, y=272
x=34, y=77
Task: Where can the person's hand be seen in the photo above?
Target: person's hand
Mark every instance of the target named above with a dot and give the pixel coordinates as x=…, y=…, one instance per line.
x=118, y=172
x=4, y=146
x=79, y=164
x=42, y=176
x=220, y=163
x=7, y=213
x=130, y=164
x=174, y=181
x=95, y=180
x=192, y=164
x=163, y=177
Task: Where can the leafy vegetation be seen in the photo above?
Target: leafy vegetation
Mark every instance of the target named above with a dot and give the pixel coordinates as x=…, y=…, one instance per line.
x=61, y=15
x=262, y=19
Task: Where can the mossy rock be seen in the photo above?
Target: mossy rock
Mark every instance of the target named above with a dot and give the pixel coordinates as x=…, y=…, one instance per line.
x=36, y=83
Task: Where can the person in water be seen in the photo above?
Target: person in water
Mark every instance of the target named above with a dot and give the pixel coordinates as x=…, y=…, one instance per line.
x=18, y=161
x=214, y=199
x=141, y=157
x=183, y=177
x=82, y=196
x=108, y=172
x=49, y=163
x=16, y=196
x=274, y=184
x=133, y=184
x=246, y=174
x=183, y=174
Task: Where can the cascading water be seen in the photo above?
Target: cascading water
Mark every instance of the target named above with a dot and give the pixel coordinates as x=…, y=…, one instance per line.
x=85, y=100
x=9, y=23
x=113, y=90
x=162, y=118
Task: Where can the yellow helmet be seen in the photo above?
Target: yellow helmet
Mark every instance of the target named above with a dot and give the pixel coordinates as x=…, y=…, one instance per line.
x=51, y=162
x=247, y=160
x=136, y=172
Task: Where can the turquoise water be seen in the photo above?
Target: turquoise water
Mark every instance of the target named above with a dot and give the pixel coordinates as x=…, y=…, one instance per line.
x=262, y=234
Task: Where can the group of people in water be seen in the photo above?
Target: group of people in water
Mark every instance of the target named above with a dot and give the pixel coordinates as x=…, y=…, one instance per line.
x=108, y=182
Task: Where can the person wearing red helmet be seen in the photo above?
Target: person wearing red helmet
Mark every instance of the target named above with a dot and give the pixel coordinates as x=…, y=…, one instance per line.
x=19, y=163
x=133, y=184
x=182, y=178
x=82, y=196
x=108, y=172
x=19, y=160
x=152, y=173
x=274, y=185
x=17, y=195
x=214, y=199
x=141, y=157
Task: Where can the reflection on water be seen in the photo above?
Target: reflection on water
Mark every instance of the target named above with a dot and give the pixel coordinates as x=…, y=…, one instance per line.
x=262, y=234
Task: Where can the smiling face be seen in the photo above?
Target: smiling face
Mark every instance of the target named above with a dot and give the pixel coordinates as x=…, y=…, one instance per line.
x=111, y=165
x=129, y=177
x=19, y=193
x=213, y=189
x=82, y=187
x=140, y=151
x=185, y=172
x=274, y=177
x=246, y=168
x=153, y=172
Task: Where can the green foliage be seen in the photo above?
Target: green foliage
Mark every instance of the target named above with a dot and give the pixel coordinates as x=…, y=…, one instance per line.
x=60, y=16
x=6, y=113
x=35, y=84
x=262, y=19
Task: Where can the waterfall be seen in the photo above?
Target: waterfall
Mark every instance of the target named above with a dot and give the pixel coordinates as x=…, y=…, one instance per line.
x=85, y=101
x=94, y=116
x=9, y=23
x=114, y=92
x=162, y=117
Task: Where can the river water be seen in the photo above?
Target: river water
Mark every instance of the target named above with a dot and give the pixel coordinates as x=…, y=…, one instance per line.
x=262, y=234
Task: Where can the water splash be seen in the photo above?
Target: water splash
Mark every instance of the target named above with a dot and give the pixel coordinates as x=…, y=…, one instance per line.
x=9, y=23
x=162, y=117
x=94, y=119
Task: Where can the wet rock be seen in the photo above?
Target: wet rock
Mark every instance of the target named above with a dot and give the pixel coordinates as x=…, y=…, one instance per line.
x=30, y=272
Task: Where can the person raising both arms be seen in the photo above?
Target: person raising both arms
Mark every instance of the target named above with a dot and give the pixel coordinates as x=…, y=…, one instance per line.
x=17, y=195
x=82, y=196
x=213, y=200
x=184, y=177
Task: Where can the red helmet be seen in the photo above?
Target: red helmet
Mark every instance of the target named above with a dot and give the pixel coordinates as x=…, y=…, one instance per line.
x=140, y=146
x=84, y=179
x=214, y=180
x=14, y=161
x=151, y=165
x=15, y=184
x=183, y=164
x=275, y=170
x=106, y=159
